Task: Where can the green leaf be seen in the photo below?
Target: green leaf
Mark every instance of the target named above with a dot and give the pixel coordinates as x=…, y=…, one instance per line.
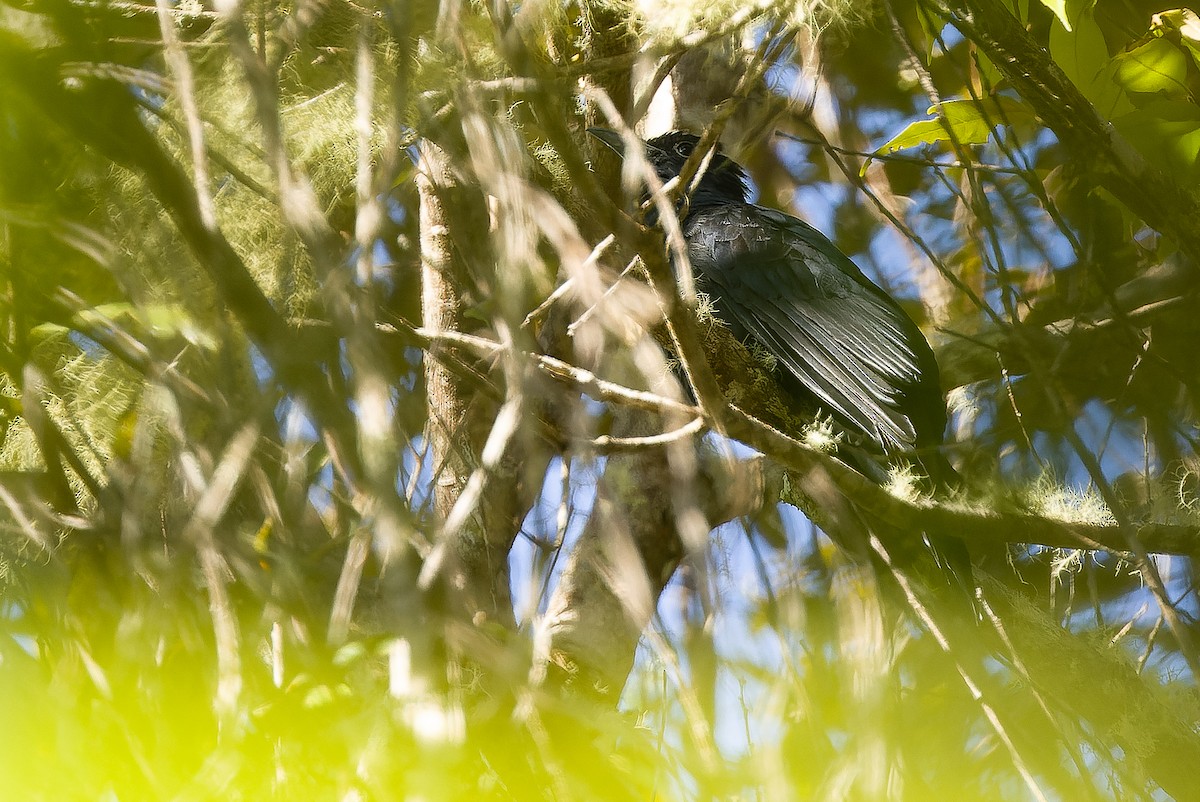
x=931, y=26
x=1020, y=9
x=988, y=74
x=1059, y=9
x=1156, y=67
x=971, y=123
x=1181, y=21
x=1167, y=133
x=1108, y=98
x=1080, y=52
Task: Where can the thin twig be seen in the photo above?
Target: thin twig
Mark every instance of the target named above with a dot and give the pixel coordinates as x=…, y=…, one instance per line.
x=182, y=70
x=609, y=443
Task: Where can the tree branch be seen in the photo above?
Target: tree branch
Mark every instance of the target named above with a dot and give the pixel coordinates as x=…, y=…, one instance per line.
x=1159, y=199
x=959, y=519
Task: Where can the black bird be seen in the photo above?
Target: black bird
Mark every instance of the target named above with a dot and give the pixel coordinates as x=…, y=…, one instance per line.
x=844, y=345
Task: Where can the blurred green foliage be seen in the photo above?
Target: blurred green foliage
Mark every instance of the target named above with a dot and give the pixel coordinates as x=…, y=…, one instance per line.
x=167, y=597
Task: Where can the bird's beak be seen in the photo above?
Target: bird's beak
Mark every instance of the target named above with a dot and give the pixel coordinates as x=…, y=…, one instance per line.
x=610, y=138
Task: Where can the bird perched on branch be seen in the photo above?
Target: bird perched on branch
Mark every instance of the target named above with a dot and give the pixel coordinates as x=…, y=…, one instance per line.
x=843, y=345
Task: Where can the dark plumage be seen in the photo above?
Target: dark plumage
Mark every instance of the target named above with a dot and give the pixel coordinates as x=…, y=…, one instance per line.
x=842, y=344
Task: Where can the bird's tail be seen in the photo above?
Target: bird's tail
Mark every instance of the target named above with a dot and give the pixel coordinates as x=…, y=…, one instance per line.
x=942, y=477
x=949, y=553
x=951, y=559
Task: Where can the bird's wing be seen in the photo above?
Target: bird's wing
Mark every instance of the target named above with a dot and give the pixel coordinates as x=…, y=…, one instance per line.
x=782, y=282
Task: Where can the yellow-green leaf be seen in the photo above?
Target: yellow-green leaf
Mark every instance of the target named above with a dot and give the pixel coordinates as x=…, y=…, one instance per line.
x=1182, y=20
x=1156, y=67
x=970, y=122
x=1167, y=133
x=1020, y=9
x=1059, y=9
x=1081, y=53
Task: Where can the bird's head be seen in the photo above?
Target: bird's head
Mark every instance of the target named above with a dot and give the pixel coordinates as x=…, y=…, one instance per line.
x=723, y=182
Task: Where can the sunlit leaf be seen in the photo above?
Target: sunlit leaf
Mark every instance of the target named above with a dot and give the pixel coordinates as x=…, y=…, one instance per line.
x=1181, y=21
x=1059, y=9
x=1156, y=67
x=966, y=121
x=1081, y=53
x=930, y=28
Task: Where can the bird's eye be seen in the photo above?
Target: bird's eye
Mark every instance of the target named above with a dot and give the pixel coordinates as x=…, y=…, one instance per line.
x=683, y=150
